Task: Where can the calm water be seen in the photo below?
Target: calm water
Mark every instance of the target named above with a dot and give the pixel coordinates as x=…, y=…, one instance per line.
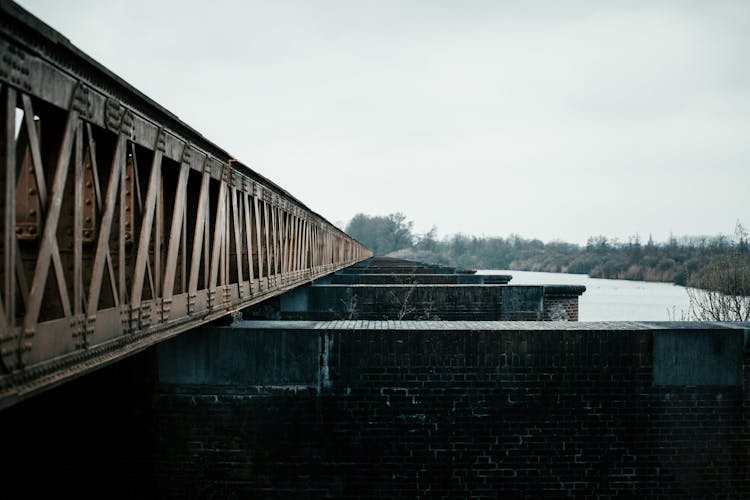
x=613, y=300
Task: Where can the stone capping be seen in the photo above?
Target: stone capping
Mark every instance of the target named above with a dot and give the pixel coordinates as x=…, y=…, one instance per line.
x=564, y=326
x=498, y=277
x=435, y=285
x=562, y=290
x=478, y=278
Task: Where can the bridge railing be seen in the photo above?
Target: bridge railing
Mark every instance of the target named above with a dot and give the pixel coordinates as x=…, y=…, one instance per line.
x=120, y=224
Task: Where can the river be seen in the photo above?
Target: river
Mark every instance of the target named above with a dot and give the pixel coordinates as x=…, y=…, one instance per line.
x=613, y=300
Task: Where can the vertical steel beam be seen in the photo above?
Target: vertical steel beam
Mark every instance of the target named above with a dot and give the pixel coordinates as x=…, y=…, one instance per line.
x=274, y=239
x=248, y=237
x=99, y=206
x=147, y=229
x=218, y=239
x=227, y=237
x=121, y=288
x=294, y=241
x=175, y=231
x=289, y=239
x=102, y=246
x=207, y=232
x=237, y=239
x=284, y=234
x=141, y=211
x=8, y=150
x=78, y=226
x=268, y=247
x=300, y=243
x=159, y=236
x=282, y=227
x=304, y=245
x=198, y=236
x=258, y=240
x=183, y=249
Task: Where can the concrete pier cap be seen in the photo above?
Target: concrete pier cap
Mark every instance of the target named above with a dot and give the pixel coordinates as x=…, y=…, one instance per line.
x=393, y=289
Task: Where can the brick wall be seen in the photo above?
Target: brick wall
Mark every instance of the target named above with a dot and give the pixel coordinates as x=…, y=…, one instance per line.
x=522, y=410
x=561, y=302
x=560, y=309
x=464, y=413
x=423, y=302
x=426, y=302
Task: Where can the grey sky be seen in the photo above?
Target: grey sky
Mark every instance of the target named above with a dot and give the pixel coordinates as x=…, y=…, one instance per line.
x=548, y=119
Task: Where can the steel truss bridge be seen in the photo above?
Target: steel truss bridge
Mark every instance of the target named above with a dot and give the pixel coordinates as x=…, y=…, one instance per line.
x=121, y=225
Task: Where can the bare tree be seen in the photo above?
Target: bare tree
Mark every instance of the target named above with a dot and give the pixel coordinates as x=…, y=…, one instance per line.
x=407, y=307
x=412, y=309
x=712, y=305
x=722, y=292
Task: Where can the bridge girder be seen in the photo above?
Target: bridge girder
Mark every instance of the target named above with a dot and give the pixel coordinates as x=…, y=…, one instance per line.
x=120, y=225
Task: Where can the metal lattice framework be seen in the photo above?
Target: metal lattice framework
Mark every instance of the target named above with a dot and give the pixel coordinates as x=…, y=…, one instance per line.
x=121, y=225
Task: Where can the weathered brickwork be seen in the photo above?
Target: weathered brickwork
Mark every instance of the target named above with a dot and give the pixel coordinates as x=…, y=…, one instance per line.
x=465, y=414
x=534, y=411
x=423, y=302
x=560, y=309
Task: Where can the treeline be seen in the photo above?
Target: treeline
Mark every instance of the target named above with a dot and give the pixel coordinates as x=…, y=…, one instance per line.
x=687, y=260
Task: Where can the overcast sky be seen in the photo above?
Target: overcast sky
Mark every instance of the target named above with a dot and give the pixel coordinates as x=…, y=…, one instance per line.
x=554, y=120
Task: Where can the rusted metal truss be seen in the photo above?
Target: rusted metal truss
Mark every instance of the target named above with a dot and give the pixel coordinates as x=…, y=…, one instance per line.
x=122, y=226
